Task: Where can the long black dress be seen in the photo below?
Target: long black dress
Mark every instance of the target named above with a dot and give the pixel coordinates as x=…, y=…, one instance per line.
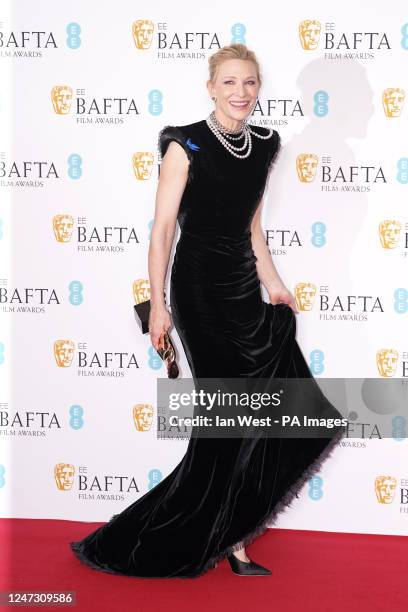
x=224, y=492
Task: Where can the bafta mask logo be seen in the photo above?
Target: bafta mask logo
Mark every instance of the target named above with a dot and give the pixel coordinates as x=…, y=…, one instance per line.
x=306, y=166
x=142, y=30
x=393, y=101
x=63, y=226
x=143, y=416
x=142, y=165
x=64, y=353
x=390, y=233
x=304, y=296
x=387, y=361
x=385, y=489
x=61, y=97
x=64, y=476
x=141, y=290
x=309, y=34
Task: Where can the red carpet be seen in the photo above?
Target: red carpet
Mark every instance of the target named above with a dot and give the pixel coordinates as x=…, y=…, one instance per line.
x=312, y=571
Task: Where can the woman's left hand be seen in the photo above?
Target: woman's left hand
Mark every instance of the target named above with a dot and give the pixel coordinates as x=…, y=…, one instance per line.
x=279, y=294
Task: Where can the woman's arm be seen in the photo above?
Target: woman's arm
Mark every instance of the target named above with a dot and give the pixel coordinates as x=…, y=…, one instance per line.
x=265, y=267
x=170, y=188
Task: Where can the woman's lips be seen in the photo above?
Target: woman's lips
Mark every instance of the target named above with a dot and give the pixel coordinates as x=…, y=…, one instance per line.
x=239, y=104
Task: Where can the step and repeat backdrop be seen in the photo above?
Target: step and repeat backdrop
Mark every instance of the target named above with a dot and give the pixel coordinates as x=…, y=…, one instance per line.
x=85, y=90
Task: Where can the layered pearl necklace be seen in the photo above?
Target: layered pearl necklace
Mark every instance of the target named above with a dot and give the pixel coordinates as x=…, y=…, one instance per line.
x=224, y=136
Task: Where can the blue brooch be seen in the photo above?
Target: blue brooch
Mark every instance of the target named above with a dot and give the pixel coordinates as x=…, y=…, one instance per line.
x=191, y=145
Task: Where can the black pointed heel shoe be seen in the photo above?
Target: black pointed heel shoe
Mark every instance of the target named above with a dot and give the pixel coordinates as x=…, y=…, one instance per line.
x=247, y=568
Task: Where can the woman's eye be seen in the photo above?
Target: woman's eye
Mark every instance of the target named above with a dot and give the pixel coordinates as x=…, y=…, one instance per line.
x=248, y=82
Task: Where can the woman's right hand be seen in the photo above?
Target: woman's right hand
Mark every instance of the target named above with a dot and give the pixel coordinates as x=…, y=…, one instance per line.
x=159, y=323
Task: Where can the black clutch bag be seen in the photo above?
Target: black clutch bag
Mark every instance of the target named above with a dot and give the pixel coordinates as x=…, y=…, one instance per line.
x=166, y=349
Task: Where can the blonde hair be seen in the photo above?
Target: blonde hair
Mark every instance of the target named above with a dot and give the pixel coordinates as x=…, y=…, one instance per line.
x=236, y=51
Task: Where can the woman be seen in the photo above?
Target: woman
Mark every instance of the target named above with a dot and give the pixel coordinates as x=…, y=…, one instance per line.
x=224, y=492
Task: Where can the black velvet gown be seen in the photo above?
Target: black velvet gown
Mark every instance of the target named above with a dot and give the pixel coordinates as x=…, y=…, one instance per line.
x=225, y=491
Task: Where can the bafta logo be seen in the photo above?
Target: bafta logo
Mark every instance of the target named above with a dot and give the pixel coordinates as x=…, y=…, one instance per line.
x=64, y=476
x=64, y=352
x=390, y=233
x=142, y=30
x=304, y=296
x=142, y=165
x=143, y=416
x=387, y=360
x=141, y=290
x=306, y=166
x=385, y=489
x=393, y=100
x=61, y=97
x=309, y=34
x=63, y=226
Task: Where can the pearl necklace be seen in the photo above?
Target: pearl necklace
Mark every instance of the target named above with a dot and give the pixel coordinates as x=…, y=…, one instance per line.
x=245, y=131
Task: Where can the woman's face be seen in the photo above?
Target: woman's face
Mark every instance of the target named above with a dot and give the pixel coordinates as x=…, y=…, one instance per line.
x=236, y=88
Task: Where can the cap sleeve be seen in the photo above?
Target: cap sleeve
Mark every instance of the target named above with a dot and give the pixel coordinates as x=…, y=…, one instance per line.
x=275, y=148
x=169, y=133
